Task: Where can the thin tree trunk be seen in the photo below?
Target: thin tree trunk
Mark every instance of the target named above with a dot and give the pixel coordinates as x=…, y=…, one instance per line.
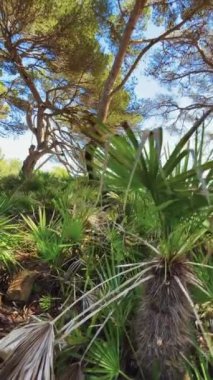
x=105, y=100
x=106, y=96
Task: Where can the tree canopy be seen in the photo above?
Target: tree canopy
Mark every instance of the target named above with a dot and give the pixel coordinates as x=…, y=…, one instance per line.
x=66, y=66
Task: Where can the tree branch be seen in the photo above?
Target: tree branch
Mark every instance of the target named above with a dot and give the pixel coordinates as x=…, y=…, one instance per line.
x=151, y=44
x=16, y=59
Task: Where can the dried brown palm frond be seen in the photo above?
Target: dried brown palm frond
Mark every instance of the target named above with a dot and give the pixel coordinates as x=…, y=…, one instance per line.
x=29, y=353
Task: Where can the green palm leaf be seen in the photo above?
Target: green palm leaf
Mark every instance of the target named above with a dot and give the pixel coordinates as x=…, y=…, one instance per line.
x=183, y=181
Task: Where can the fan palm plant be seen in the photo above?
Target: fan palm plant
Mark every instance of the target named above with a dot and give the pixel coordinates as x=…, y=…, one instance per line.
x=179, y=191
x=8, y=237
x=163, y=331
x=180, y=185
x=52, y=236
x=45, y=236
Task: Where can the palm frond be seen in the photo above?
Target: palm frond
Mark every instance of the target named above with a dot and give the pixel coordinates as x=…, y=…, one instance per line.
x=29, y=353
x=178, y=184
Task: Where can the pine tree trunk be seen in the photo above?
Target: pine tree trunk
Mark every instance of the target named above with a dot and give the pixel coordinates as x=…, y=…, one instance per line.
x=30, y=162
x=106, y=97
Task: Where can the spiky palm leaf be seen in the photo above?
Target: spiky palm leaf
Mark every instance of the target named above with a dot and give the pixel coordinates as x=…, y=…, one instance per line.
x=104, y=357
x=179, y=184
x=8, y=238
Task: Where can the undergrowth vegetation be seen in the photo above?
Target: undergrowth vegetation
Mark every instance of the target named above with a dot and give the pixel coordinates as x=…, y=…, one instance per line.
x=123, y=286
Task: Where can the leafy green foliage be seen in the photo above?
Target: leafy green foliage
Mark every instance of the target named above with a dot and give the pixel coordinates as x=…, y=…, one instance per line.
x=200, y=371
x=52, y=236
x=9, y=167
x=45, y=302
x=59, y=172
x=72, y=229
x=40, y=190
x=105, y=357
x=8, y=240
x=45, y=236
